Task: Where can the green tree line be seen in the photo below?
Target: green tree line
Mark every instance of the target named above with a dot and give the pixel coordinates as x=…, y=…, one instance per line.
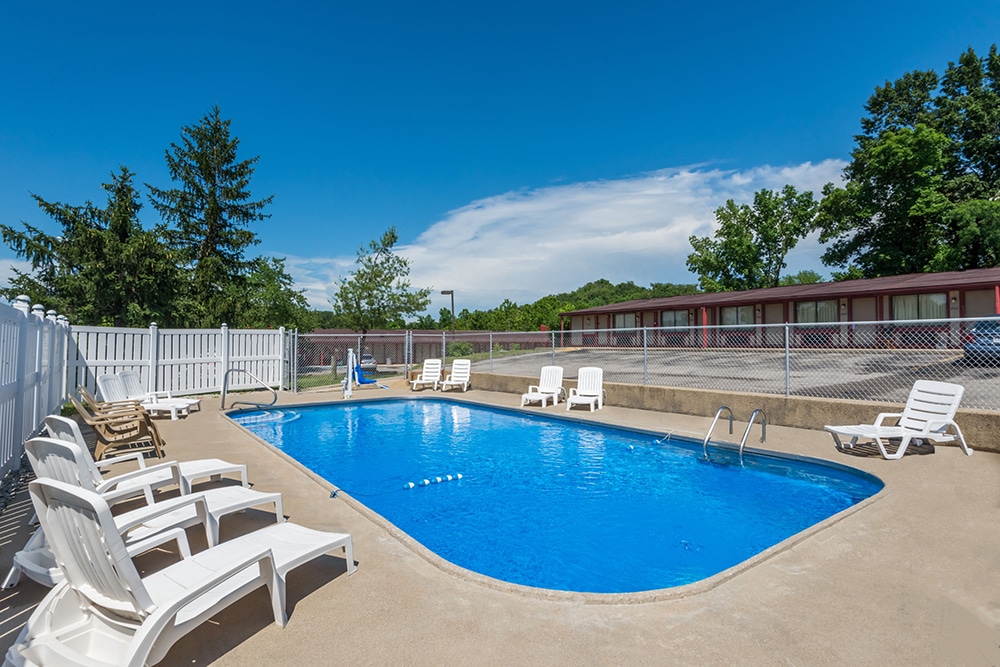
x=189, y=269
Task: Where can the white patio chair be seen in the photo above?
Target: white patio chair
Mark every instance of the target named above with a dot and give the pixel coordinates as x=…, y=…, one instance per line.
x=429, y=374
x=66, y=462
x=163, y=474
x=106, y=613
x=134, y=390
x=549, y=386
x=929, y=413
x=113, y=391
x=589, y=389
x=460, y=376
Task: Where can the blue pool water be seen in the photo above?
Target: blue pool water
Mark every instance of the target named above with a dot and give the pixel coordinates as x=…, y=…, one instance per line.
x=557, y=504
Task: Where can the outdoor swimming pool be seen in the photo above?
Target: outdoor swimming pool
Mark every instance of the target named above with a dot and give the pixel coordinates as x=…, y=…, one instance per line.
x=553, y=503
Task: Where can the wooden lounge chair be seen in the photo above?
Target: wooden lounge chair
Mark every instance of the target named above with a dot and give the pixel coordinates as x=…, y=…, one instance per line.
x=928, y=415
x=121, y=429
x=549, y=387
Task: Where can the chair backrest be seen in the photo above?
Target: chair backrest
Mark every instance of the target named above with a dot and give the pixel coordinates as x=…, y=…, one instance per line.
x=590, y=381
x=133, y=386
x=67, y=430
x=461, y=369
x=931, y=401
x=431, y=369
x=88, y=548
x=112, y=388
x=62, y=460
x=550, y=379
x=359, y=376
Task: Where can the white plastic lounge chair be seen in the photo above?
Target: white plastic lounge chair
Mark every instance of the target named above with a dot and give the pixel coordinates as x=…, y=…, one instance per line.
x=928, y=414
x=113, y=391
x=429, y=374
x=106, y=613
x=589, y=389
x=549, y=386
x=460, y=376
x=66, y=462
x=134, y=390
x=154, y=477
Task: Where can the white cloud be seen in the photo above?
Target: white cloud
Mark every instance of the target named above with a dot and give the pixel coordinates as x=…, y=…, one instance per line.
x=524, y=245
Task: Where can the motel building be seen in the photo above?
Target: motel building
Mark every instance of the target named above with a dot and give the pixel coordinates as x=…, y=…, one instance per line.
x=921, y=310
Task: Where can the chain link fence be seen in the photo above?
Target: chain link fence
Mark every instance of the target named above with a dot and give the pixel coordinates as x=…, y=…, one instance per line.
x=867, y=361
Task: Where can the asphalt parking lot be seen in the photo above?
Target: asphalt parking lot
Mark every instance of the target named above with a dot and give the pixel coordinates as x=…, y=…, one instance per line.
x=882, y=375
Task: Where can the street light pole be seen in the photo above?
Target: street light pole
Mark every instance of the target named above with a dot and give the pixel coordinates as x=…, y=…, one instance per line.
x=451, y=293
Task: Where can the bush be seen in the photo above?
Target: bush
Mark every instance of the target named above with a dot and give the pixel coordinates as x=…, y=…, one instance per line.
x=458, y=348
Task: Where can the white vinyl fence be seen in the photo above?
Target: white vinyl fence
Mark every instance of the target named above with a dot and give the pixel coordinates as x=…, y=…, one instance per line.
x=33, y=347
x=181, y=361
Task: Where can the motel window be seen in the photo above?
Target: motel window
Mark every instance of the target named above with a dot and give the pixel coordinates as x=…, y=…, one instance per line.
x=920, y=307
x=673, y=318
x=624, y=320
x=737, y=315
x=816, y=311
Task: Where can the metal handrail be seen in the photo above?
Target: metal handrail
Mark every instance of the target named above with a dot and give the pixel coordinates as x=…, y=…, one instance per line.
x=704, y=445
x=763, y=429
x=225, y=388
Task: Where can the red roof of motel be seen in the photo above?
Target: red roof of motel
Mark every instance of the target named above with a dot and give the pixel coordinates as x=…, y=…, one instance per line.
x=913, y=283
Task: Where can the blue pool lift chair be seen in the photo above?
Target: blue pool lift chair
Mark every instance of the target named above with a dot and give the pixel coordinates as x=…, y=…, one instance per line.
x=360, y=379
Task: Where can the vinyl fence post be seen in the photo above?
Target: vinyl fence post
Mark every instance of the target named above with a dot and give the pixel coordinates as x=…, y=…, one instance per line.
x=153, y=377
x=788, y=372
x=21, y=303
x=282, y=349
x=224, y=359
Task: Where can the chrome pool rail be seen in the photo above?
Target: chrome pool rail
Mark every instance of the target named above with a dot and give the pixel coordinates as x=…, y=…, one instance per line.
x=763, y=430
x=704, y=444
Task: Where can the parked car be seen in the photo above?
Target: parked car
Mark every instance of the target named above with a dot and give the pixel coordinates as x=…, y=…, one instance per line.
x=367, y=362
x=982, y=343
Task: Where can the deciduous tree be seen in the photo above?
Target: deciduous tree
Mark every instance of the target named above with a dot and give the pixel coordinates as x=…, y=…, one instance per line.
x=748, y=249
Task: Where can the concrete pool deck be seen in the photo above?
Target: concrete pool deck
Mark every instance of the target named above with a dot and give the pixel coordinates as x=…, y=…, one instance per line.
x=913, y=577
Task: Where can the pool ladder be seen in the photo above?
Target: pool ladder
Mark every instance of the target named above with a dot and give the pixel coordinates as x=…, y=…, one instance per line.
x=746, y=434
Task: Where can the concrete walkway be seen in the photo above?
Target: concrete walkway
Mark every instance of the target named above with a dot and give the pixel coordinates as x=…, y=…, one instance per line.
x=912, y=577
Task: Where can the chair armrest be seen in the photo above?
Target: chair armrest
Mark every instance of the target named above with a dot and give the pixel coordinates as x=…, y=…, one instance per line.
x=109, y=487
x=145, y=544
x=572, y=391
x=886, y=415
x=163, y=507
x=137, y=456
x=533, y=388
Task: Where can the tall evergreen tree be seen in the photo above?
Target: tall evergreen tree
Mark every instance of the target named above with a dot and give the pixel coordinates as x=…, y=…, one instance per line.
x=211, y=211
x=103, y=268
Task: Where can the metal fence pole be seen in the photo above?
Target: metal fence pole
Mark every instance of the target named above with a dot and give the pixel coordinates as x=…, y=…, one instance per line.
x=645, y=358
x=444, y=345
x=788, y=371
x=552, y=334
x=491, y=352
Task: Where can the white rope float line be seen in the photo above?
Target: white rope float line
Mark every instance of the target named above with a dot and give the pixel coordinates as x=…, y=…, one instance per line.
x=433, y=480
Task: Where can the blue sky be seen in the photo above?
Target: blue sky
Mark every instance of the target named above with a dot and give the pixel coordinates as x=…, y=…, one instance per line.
x=521, y=148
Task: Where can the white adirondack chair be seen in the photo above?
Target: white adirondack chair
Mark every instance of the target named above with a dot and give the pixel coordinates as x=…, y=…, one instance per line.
x=429, y=374
x=928, y=415
x=106, y=613
x=144, y=527
x=589, y=389
x=549, y=387
x=460, y=376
